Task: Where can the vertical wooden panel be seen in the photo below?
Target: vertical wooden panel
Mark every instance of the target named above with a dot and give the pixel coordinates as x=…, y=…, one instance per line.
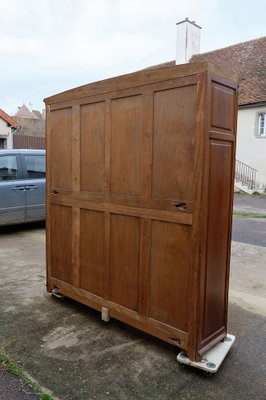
x=92, y=147
x=61, y=146
x=92, y=251
x=170, y=273
x=124, y=260
x=126, y=145
x=173, y=146
x=222, y=106
x=218, y=235
x=61, y=239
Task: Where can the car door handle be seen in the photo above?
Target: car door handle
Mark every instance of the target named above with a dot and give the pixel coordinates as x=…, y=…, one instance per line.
x=31, y=187
x=19, y=188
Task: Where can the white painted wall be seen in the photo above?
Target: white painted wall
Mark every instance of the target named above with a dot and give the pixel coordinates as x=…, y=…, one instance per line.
x=251, y=149
x=5, y=133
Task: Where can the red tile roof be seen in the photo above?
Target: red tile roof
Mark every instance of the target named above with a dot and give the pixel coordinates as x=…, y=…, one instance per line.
x=8, y=119
x=248, y=59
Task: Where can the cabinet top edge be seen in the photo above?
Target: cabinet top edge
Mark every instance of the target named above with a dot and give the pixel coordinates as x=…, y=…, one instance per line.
x=140, y=78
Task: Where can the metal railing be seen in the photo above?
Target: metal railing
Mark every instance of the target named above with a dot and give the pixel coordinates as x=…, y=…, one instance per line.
x=245, y=174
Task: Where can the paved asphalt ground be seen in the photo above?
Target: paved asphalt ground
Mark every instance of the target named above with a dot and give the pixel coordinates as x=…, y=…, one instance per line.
x=250, y=230
x=70, y=351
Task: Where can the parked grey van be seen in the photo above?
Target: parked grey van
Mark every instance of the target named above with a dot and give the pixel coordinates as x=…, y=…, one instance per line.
x=22, y=186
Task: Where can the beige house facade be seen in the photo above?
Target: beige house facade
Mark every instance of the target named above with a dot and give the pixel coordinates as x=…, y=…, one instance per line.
x=248, y=59
x=7, y=127
x=251, y=140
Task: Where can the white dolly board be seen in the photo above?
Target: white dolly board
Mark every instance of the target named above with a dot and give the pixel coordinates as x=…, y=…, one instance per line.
x=211, y=360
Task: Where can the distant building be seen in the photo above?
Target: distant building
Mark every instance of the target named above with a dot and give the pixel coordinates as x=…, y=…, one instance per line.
x=7, y=127
x=248, y=59
x=31, y=122
x=31, y=131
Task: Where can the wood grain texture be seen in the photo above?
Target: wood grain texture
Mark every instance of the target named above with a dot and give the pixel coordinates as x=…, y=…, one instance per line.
x=124, y=260
x=126, y=149
x=222, y=107
x=173, y=150
x=139, y=199
x=75, y=267
x=92, y=252
x=219, y=176
x=116, y=208
x=144, y=266
x=92, y=147
x=198, y=231
x=76, y=148
x=140, y=78
x=217, y=231
x=61, y=243
x=156, y=328
x=61, y=149
x=170, y=270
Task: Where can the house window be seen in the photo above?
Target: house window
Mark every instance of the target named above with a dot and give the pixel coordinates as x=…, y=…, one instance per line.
x=3, y=143
x=262, y=125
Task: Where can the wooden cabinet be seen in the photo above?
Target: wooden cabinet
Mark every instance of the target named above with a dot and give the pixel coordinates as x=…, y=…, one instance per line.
x=139, y=199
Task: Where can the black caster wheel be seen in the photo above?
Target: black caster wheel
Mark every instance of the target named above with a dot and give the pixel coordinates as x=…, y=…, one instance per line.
x=208, y=374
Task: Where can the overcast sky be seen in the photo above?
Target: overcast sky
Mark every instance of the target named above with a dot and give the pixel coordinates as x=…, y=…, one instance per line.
x=47, y=46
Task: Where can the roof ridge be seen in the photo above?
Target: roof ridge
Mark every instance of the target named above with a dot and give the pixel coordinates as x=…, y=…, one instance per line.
x=248, y=60
x=11, y=121
x=231, y=46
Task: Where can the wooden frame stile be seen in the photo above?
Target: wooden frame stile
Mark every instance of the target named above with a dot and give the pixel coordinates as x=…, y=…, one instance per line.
x=233, y=138
x=107, y=187
x=76, y=189
x=145, y=228
x=204, y=216
x=231, y=202
x=199, y=218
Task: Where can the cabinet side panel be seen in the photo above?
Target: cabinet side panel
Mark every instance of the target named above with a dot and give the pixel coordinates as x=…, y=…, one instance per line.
x=169, y=273
x=218, y=236
x=92, y=147
x=61, y=149
x=61, y=239
x=222, y=107
x=92, y=251
x=124, y=260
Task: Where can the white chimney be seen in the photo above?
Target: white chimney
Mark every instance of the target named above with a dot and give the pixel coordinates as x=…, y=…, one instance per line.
x=188, y=40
